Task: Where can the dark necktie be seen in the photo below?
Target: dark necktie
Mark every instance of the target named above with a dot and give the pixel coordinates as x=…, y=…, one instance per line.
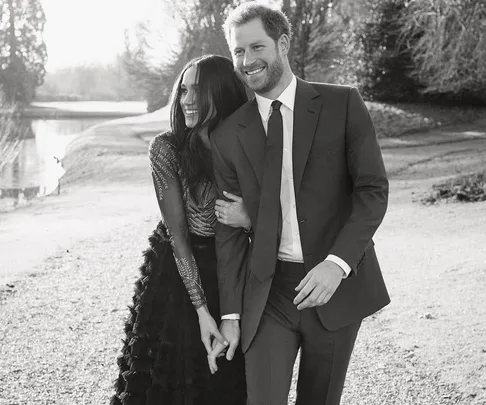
x=265, y=248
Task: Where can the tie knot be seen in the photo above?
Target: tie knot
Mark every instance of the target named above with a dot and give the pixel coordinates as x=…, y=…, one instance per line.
x=276, y=105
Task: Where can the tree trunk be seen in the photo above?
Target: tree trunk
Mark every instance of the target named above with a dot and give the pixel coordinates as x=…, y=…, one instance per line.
x=11, y=89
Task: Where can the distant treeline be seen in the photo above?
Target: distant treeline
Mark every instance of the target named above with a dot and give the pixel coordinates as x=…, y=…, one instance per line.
x=93, y=82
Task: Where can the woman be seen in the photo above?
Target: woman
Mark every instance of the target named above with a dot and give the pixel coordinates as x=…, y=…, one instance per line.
x=175, y=306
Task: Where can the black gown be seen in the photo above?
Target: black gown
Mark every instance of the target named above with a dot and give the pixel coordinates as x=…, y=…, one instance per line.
x=163, y=360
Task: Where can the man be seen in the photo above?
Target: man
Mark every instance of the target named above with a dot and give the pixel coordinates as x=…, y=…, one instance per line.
x=311, y=174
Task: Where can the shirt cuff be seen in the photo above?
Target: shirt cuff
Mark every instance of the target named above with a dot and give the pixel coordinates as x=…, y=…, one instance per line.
x=231, y=316
x=341, y=263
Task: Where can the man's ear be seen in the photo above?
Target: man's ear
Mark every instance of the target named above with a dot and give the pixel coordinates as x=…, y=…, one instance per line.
x=283, y=44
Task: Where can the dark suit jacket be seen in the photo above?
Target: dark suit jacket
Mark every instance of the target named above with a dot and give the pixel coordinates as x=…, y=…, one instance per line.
x=341, y=193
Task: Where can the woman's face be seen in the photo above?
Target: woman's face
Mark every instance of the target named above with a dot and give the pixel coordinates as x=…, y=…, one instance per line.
x=188, y=98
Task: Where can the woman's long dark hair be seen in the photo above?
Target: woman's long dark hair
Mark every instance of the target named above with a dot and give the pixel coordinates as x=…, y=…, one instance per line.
x=219, y=87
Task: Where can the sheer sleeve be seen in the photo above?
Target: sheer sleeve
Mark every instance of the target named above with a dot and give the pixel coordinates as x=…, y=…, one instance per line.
x=168, y=188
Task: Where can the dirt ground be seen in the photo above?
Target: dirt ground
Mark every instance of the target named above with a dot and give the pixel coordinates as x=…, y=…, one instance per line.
x=68, y=264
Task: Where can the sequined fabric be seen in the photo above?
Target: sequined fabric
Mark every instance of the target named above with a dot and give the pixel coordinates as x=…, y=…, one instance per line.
x=180, y=213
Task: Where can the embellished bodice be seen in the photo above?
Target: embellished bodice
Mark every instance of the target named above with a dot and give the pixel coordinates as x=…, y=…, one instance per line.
x=181, y=213
x=201, y=218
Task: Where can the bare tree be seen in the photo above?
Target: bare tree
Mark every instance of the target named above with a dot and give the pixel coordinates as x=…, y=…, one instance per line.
x=200, y=33
x=450, y=53
x=154, y=78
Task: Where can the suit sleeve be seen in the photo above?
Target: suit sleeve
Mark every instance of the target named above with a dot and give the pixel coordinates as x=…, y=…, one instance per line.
x=370, y=184
x=232, y=244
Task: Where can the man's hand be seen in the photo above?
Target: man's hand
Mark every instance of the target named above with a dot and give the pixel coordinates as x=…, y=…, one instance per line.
x=230, y=329
x=319, y=285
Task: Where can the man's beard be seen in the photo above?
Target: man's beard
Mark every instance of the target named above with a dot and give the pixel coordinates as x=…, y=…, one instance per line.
x=274, y=73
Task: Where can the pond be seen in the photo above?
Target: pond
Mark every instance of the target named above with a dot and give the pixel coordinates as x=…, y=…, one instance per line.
x=32, y=168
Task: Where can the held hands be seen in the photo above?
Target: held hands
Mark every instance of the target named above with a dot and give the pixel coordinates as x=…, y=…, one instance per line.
x=319, y=285
x=209, y=329
x=230, y=328
x=232, y=213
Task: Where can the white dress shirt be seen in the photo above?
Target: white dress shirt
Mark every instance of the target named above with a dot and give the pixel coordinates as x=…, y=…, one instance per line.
x=290, y=248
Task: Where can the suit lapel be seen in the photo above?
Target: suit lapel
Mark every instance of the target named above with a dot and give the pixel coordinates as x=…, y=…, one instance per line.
x=306, y=115
x=252, y=137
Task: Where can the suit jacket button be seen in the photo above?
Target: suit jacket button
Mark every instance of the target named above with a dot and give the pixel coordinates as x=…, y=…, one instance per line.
x=302, y=220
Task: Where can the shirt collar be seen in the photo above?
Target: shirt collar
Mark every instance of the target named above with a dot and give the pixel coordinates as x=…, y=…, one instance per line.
x=287, y=98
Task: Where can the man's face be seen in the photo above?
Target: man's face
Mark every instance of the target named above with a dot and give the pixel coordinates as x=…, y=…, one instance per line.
x=256, y=56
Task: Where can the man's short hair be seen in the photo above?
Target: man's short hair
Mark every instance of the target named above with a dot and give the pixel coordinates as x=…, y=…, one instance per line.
x=275, y=22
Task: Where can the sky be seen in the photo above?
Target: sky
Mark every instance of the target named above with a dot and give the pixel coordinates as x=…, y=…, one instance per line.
x=92, y=31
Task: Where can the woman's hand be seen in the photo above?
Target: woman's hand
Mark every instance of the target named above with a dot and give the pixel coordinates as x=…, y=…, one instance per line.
x=209, y=328
x=232, y=213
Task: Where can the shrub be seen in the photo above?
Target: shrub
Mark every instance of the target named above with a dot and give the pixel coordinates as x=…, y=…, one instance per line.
x=466, y=188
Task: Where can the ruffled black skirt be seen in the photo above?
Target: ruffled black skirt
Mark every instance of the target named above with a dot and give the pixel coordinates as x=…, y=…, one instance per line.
x=163, y=360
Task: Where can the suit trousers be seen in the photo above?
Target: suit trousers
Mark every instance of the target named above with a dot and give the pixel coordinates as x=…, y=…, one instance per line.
x=283, y=330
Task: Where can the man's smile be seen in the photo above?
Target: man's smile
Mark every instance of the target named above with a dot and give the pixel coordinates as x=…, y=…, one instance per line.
x=255, y=71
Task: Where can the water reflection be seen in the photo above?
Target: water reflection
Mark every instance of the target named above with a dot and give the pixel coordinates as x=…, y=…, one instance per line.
x=34, y=165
